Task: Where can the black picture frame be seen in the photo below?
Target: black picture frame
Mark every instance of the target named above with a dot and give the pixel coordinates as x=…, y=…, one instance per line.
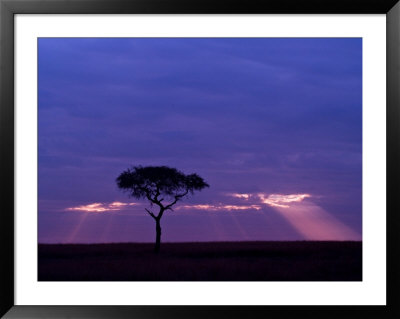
x=8, y=9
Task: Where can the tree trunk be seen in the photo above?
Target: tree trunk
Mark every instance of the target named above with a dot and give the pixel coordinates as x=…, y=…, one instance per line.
x=158, y=236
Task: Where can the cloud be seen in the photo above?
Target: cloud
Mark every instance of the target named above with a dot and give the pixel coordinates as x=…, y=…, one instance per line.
x=254, y=202
x=244, y=196
x=100, y=207
x=273, y=200
x=220, y=207
x=279, y=200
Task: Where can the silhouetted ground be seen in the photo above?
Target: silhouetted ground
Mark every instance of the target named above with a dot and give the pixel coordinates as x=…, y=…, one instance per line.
x=211, y=261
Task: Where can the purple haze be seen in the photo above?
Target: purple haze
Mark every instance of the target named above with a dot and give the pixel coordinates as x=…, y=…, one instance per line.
x=251, y=116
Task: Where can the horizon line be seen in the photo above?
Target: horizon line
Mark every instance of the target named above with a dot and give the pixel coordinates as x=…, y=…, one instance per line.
x=200, y=242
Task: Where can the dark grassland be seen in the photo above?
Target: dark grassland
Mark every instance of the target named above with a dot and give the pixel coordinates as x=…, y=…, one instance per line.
x=210, y=261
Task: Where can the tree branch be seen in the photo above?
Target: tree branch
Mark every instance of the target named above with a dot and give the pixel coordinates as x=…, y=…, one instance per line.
x=151, y=214
x=158, y=201
x=154, y=200
x=177, y=197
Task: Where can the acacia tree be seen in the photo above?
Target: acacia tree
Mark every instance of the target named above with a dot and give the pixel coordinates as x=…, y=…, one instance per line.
x=156, y=184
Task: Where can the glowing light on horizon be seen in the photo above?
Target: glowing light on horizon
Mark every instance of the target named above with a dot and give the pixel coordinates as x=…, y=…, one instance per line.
x=220, y=207
x=282, y=201
x=244, y=196
x=119, y=204
x=274, y=200
x=308, y=219
x=100, y=207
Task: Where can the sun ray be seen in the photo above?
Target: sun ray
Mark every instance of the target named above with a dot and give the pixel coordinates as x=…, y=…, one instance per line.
x=75, y=231
x=107, y=227
x=240, y=227
x=314, y=223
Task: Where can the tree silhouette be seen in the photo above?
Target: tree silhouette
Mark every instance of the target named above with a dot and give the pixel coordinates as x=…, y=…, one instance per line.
x=156, y=184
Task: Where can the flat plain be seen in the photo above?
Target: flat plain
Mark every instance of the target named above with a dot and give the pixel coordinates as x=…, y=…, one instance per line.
x=202, y=261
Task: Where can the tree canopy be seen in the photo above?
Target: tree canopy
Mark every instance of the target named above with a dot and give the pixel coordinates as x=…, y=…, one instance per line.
x=151, y=182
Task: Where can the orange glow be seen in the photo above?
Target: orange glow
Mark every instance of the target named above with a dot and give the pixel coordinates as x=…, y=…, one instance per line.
x=244, y=196
x=279, y=200
x=95, y=207
x=100, y=207
x=240, y=207
x=117, y=204
x=220, y=207
x=314, y=223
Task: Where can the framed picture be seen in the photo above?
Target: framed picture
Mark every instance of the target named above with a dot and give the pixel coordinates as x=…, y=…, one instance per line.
x=194, y=159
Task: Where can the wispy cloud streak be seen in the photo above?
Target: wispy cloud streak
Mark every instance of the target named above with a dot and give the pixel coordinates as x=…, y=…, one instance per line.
x=100, y=207
x=273, y=200
x=220, y=207
x=283, y=201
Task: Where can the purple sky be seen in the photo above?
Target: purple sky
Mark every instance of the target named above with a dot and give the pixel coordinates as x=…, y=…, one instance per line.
x=279, y=120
